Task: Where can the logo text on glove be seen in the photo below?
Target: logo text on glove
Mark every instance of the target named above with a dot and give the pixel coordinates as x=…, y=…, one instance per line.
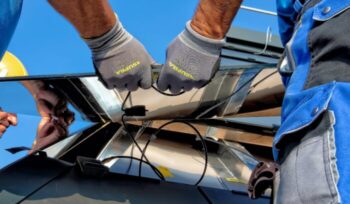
x=128, y=68
x=180, y=71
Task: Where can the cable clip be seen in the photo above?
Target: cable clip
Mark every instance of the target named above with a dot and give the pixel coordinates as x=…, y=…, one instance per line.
x=92, y=167
x=135, y=111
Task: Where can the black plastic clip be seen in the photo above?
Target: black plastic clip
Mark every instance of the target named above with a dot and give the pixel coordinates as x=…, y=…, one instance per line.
x=135, y=111
x=91, y=167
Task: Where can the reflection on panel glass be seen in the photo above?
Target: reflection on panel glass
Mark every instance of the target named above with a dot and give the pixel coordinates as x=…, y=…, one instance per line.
x=58, y=102
x=179, y=160
x=34, y=115
x=50, y=112
x=230, y=91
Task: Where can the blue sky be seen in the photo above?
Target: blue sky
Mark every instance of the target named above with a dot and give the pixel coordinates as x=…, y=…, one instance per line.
x=47, y=44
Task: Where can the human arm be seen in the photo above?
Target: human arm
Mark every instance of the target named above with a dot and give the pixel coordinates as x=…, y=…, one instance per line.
x=120, y=60
x=90, y=17
x=213, y=18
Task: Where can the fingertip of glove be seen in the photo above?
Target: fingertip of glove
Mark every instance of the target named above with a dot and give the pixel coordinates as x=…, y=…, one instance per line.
x=174, y=89
x=145, y=84
x=162, y=86
x=187, y=88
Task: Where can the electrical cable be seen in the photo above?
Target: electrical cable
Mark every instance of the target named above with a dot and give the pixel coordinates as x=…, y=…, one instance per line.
x=235, y=92
x=176, y=94
x=167, y=94
x=138, y=134
x=198, y=134
x=143, y=152
x=124, y=102
x=156, y=171
x=159, y=129
x=128, y=132
x=137, y=144
x=262, y=80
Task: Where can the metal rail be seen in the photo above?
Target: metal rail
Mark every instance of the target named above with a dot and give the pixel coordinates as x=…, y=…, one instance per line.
x=259, y=10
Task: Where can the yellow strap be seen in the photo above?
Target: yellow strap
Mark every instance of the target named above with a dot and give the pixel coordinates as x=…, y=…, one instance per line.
x=165, y=172
x=235, y=180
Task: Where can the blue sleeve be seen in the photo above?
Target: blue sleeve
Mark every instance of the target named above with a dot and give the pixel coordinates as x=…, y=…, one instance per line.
x=10, y=11
x=286, y=19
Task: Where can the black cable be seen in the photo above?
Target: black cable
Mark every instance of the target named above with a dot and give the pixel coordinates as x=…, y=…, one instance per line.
x=139, y=133
x=167, y=94
x=128, y=132
x=136, y=143
x=263, y=79
x=125, y=126
x=235, y=92
x=177, y=94
x=156, y=171
x=198, y=134
x=124, y=102
x=184, y=122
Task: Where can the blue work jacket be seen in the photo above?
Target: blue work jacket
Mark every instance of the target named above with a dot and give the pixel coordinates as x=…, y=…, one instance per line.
x=302, y=106
x=10, y=11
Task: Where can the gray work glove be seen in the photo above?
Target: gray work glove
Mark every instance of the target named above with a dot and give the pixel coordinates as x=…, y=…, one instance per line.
x=120, y=60
x=192, y=60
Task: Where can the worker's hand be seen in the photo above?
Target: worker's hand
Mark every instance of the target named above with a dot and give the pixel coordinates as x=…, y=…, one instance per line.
x=7, y=120
x=121, y=61
x=191, y=61
x=49, y=132
x=51, y=104
x=56, y=117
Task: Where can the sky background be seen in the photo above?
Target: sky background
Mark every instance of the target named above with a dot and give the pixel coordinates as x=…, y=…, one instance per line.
x=48, y=45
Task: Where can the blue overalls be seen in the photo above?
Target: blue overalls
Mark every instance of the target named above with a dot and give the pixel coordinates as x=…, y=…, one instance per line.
x=316, y=74
x=10, y=11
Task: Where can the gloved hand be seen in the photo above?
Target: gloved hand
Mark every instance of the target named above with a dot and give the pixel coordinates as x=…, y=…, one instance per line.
x=192, y=60
x=6, y=120
x=120, y=60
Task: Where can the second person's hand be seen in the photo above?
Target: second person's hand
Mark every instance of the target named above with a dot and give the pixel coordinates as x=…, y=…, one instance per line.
x=6, y=120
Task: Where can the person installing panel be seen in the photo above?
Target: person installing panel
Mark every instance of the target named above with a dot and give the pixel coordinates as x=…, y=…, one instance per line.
x=312, y=143
x=120, y=60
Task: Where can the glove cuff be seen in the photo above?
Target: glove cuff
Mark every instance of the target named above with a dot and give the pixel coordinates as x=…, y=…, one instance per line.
x=104, y=45
x=200, y=42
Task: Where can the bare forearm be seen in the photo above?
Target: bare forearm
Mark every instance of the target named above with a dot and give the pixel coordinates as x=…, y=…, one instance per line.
x=213, y=18
x=92, y=18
